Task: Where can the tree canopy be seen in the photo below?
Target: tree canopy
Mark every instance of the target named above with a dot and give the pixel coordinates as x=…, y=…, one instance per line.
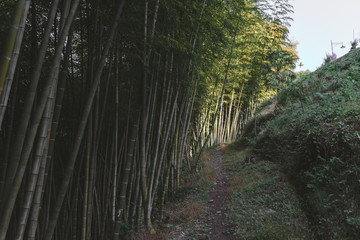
x=106, y=105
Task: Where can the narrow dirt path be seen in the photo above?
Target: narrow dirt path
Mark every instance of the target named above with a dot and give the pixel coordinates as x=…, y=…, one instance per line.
x=216, y=209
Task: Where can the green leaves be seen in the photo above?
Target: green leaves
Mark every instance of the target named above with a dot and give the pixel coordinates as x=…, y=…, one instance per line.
x=262, y=58
x=314, y=133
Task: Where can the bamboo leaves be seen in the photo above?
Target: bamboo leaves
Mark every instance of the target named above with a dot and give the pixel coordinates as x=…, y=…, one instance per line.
x=148, y=84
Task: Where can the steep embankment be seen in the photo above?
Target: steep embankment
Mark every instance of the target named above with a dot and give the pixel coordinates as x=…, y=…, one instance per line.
x=312, y=131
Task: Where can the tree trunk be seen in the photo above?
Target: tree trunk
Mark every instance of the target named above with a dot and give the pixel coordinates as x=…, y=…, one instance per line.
x=20, y=137
x=70, y=168
x=4, y=96
x=14, y=185
x=10, y=43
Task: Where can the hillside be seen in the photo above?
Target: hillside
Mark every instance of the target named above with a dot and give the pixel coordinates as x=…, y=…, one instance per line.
x=311, y=129
x=294, y=173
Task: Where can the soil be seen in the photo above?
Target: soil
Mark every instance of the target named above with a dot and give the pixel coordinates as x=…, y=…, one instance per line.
x=216, y=220
x=268, y=109
x=267, y=214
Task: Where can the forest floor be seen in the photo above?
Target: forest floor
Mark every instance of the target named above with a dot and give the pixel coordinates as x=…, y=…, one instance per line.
x=237, y=196
x=219, y=225
x=308, y=133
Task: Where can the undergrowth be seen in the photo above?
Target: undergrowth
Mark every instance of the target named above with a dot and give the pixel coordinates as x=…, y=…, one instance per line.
x=314, y=133
x=262, y=203
x=183, y=209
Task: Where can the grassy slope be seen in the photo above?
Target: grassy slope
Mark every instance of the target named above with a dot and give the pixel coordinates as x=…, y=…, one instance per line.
x=263, y=205
x=314, y=134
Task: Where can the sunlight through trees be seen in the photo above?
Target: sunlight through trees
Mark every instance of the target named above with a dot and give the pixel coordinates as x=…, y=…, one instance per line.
x=105, y=105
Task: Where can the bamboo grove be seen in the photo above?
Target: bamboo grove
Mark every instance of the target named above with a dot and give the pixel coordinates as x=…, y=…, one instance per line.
x=105, y=104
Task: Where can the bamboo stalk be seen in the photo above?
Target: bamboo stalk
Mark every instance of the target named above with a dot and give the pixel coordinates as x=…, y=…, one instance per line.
x=80, y=133
x=14, y=186
x=222, y=93
x=10, y=43
x=4, y=96
x=20, y=136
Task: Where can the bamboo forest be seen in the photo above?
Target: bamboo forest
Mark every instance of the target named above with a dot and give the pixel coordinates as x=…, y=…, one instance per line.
x=111, y=111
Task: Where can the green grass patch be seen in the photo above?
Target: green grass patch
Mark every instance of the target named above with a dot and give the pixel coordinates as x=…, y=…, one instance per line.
x=262, y=203
x=314, y=134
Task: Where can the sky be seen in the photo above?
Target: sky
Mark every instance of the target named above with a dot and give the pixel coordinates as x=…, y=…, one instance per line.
x=317, y=23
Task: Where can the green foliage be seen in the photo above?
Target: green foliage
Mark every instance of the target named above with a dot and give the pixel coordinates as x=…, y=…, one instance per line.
x=262, y=59
x=315, y=135
x=301, y=74
x=354, y=44
x=262, y=205
x=160, y=57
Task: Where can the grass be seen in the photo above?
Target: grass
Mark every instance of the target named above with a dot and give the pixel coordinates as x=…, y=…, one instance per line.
x=262, y=205
x=314, y=134
x=191, y=208
x=186, y=207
